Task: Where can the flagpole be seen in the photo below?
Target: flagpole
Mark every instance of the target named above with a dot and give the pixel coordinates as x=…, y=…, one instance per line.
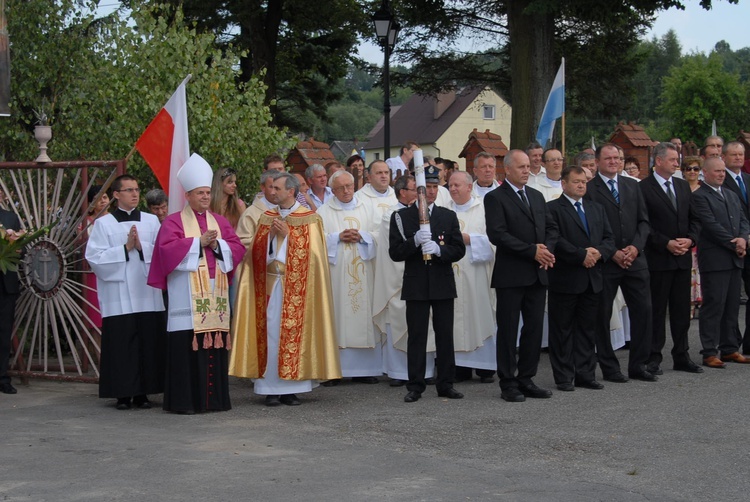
x=563, y=135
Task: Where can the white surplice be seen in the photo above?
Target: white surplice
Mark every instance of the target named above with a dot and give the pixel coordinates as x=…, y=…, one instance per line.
x=474, y=329
x=352, y=273
x=121, y=275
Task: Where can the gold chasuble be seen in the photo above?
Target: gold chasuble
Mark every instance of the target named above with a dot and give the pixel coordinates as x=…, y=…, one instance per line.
x=308, y=348
x=210, y=305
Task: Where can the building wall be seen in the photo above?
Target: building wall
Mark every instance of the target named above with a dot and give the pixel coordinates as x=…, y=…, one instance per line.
x=453, y=140
x=450, y=144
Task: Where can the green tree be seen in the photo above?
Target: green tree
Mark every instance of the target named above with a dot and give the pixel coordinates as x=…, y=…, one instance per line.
x=699, y=91
x=116, y=74
x=300, y=49
x=657, y=57
x=595, y=38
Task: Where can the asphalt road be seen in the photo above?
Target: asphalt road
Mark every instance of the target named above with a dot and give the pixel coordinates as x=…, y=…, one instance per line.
x=684, y=437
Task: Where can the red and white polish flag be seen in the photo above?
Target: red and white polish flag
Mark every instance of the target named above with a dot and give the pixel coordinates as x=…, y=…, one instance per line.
x=165, y=146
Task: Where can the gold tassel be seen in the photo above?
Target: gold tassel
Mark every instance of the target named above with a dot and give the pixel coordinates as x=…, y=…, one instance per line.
x=207, y=340
x=195, y=342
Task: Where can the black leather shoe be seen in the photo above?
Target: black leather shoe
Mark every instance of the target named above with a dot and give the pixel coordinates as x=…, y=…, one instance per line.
x=273, y=401
x=397, y=383
x=412, y=397
x=331, y=383
x=566, y=387
x=643, y=376
x=290, y=400
x=532, y=390
x=486, y=379
x=450, y=393
x=142, y=402
x=7, y=388
x=512, y=395
x=123, y=403
x=367, y=379
x=430, y=381
x=616, y=377
x=590, y=384
x=688, y=366
x=654, y=369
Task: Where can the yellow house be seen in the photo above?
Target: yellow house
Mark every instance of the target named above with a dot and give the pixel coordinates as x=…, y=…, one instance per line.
x=440, y=125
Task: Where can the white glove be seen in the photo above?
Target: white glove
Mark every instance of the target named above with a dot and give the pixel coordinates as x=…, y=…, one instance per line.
x=431, y=247
x=422, y=236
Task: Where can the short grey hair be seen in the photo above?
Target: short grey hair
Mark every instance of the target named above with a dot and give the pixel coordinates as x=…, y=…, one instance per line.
x=289, y=182
x=660, y=150
x=485, y=155
x=337, y=175
x=584, y=156
x=156, y=197
x=467, y=177
x=311, y=170
x=508, y=159
x=271, y=173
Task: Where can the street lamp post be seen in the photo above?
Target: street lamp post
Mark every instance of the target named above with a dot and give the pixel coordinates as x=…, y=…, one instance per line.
x=386, y=29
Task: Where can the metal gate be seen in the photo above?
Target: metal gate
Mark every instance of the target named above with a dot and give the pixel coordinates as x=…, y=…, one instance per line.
x=54, y=336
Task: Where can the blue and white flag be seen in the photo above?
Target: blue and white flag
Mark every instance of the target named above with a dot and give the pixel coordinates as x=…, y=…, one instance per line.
x=554, y=108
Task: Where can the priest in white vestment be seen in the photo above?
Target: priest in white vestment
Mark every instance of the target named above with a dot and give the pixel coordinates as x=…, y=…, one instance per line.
x=388, y=309
x=378, y=193
x=194, y=260
x=119, y=251
x=348, y=223
x=264, y=201
x=485, y=172
x=474, y=328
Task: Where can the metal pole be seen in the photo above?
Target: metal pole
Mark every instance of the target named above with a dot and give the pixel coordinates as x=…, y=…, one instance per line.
x=387, y=100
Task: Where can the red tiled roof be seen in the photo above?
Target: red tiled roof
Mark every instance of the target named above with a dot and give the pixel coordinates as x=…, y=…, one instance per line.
x=488, y=142
x=634, y=134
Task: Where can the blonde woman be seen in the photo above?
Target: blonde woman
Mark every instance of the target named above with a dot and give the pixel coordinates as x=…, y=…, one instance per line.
x=224, y=199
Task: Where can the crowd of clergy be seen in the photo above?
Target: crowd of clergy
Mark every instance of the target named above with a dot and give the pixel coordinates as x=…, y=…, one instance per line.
x=340, y=274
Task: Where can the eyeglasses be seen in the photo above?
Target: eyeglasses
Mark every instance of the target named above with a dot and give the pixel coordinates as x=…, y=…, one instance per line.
x=691, y=168
x=129, y=190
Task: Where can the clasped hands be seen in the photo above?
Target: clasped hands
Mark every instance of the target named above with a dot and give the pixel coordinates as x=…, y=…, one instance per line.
x=350, y=236
x=679, y=246
x=625, y=257
x=134, y=241
x=208, y=239
x=278, y=227
x=740, y=246
x=544, y=257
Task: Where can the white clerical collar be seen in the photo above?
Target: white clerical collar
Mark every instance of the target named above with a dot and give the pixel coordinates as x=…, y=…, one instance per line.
x=554, y=183
x=462, y=208
x=266, y=203
x=286, y=212
x=126, y=211
x=348, y=206
x=379, y=194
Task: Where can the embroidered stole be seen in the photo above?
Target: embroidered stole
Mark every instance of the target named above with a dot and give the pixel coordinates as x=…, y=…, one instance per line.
x=210, y=306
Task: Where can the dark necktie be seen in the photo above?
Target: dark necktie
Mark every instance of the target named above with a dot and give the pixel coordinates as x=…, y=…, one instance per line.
x=522, y=193
x=615, y=193
x=582, y=215
x=742, y=187
x=670, y=193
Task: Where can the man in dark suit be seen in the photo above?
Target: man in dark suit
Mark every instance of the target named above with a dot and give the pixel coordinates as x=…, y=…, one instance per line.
x=428, y=284
x=733, y=154
x=521, y=227
x=626, y=211
x=585, y=242
x=673, y=234
x=8, y=295
x=722, y=246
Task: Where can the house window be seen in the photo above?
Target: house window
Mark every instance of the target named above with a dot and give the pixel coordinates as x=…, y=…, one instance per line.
x=488, y=112
x=377, y=156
